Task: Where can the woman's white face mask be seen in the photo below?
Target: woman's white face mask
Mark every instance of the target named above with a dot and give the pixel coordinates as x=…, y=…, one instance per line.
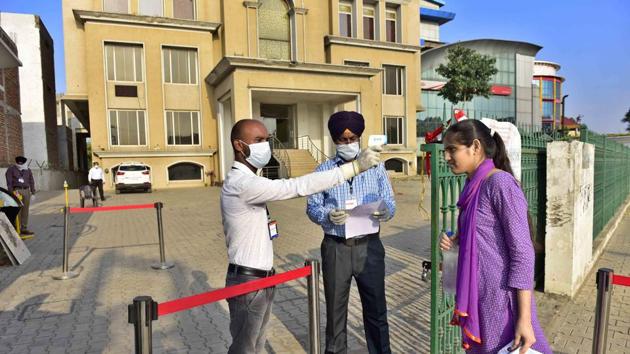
x=259, y=154
x=348, y=152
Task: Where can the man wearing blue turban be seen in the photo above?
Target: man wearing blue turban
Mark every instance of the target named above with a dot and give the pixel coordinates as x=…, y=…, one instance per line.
x=361, y=257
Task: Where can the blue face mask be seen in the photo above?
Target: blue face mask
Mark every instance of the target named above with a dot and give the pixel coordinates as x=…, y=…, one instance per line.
x=348, y=152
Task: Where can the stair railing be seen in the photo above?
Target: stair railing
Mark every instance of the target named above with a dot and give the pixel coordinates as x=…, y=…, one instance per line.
x=279, y=151
x=305, y=143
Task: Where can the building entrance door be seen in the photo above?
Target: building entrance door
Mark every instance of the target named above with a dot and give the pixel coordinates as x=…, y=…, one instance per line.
x=280, y=123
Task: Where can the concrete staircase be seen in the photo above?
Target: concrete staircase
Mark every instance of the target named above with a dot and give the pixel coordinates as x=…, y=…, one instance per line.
x=301, y=162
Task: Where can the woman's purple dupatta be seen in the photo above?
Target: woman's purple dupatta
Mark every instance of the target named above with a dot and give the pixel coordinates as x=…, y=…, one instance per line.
x=467, y=297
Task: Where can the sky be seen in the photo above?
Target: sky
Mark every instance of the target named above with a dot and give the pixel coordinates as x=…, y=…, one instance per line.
x=588, y=38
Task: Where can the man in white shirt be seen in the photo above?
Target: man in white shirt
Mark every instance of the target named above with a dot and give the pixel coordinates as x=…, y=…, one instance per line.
x=95, y=178
x=249, y=230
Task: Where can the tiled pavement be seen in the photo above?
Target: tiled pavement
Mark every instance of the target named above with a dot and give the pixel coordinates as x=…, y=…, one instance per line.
x=570, y=330
x=114, y=250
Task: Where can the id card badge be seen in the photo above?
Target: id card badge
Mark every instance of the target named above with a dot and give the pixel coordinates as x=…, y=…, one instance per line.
x=21, y=180
x=351, y=204
x=273, y=229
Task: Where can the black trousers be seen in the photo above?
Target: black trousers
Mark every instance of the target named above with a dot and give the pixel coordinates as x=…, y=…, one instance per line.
x=365, y=261
x=97, y=183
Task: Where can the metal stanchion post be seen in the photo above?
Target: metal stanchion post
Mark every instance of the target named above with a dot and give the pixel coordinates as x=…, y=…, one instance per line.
x=602, y=310
x=163, y=263
x=313, y=306
x=142, y=313
x=65, y=189
x=65, y=272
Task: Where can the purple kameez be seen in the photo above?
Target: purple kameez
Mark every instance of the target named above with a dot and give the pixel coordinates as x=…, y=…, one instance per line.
x=506, y=263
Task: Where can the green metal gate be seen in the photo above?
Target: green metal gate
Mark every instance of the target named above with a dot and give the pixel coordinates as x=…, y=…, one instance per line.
x=445, y=189
x=534, y=184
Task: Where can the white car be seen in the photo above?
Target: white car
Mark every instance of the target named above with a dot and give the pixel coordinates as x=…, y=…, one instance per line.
x=133, y=176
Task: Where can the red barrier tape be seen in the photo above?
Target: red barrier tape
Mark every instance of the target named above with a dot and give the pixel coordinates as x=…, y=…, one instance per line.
x=189, y=302
x=621, y=280
x=110, y=208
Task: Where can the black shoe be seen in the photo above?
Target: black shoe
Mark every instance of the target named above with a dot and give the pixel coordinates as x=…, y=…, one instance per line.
x=26, y=232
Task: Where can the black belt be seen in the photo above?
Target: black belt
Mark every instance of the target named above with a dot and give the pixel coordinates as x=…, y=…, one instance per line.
x=242, y=270
x=352, y=241
x=19, y=187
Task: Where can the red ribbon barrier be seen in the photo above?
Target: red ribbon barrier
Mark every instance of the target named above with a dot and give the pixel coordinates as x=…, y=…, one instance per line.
x=621, y=280
x=111, y=208
x=189, y=302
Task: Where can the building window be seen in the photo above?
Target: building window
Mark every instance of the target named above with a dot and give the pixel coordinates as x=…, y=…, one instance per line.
x=345, y=18
x=393, y=127
x=369, y=21
x=274, y=30
x=180, y=65
x=547, y=109
x=121, y=6
x=430, y=31
x=356, y=63
x=391, y=24
x=185, y=171
x=127, y=127
x=182, y=128
x=124, y=62
x=558, y=90
x=395, y=165
x=184, y=9
x=151, y=8
x=547, y=89
x=393, y=77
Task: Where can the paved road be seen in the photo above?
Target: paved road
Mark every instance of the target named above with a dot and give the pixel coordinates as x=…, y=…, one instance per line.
x=114, y=250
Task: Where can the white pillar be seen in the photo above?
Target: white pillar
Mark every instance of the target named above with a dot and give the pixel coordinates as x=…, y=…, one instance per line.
x=569, y=231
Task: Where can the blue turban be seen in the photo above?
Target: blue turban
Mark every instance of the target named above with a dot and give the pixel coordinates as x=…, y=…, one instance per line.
x=340, y=121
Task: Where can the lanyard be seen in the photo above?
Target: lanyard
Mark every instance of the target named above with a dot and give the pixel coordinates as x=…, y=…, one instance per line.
x=339, y=163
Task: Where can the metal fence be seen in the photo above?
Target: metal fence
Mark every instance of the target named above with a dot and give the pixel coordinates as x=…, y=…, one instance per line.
x=612, y=177
x=445, y=189
x=534, y=185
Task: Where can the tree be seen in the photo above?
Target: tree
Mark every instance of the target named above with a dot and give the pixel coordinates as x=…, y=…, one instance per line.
x=468, y=73
x=626, y=119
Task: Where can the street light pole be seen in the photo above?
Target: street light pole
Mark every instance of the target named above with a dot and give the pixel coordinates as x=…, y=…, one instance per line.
x=562, y=117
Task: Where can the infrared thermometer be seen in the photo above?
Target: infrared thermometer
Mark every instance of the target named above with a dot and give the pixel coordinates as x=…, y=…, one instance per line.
x=377, y=140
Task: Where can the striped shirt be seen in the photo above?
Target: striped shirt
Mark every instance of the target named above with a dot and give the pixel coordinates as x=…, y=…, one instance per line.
x=369, y=186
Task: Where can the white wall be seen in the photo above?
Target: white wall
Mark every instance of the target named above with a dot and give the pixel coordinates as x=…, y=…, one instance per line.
x=23, y=30
x=569, y=230
x=309, y=122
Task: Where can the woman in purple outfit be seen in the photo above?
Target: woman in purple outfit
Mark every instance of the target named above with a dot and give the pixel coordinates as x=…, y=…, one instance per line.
x=494, y=303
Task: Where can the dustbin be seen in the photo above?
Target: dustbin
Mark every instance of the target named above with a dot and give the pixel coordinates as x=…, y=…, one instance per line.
x=86, y=193
x=10, y=205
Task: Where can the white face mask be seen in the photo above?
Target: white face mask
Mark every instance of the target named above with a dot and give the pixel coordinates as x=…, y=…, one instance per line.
x=259, y=154
x=348, y=152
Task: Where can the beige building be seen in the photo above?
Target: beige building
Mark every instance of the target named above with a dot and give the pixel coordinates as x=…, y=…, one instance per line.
x=163, y=81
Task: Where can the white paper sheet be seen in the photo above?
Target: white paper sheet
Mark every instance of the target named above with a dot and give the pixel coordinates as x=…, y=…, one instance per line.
x=360, y=220
x=505, y=350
